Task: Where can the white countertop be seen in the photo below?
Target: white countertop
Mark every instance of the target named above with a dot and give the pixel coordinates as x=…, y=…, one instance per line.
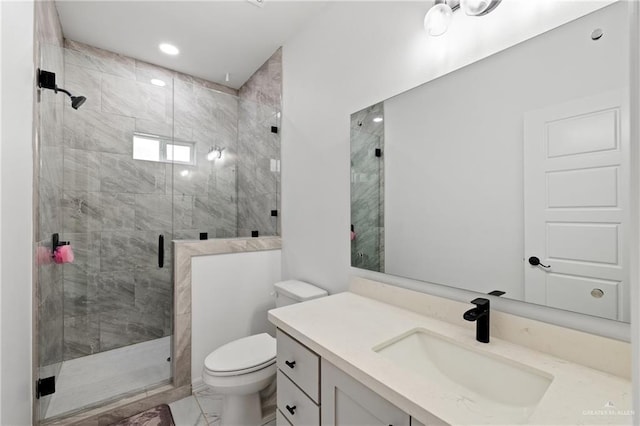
x=343, y=329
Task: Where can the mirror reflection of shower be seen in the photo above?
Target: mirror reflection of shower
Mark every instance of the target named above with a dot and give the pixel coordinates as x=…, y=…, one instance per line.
x=47, y=80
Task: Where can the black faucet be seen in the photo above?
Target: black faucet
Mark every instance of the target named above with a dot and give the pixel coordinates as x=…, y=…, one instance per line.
x=480, y=314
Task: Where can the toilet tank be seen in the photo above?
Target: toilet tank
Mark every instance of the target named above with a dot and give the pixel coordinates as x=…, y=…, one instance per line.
x=294, y=291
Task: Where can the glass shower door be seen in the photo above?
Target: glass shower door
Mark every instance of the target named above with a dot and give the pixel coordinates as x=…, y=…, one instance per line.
x=49, y=292
x=105, y=318
x=259, y=127
x=232, y=190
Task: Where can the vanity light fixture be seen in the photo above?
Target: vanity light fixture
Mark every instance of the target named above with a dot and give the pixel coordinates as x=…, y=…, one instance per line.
x=258, y=3
x=438, y=18
x=158, y=82
x=169, y=49
x=478, y=7
x=215, y=153
x=377, y=119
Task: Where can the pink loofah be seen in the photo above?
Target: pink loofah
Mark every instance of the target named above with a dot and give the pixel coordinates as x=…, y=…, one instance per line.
x=63, y=254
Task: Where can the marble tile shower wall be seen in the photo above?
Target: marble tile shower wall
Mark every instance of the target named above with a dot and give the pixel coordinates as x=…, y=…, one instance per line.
x=259, y=150
x=115, y=207
x=367, y=189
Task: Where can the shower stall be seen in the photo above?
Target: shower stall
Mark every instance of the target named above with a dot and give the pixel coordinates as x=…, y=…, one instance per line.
x=151, y=156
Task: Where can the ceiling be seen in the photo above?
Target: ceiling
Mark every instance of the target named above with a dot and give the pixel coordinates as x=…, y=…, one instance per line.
x=214, y=37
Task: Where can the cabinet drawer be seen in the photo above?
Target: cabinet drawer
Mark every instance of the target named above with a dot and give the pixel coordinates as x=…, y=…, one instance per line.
x=299, y=364
x=281, y=420
x=296, y=407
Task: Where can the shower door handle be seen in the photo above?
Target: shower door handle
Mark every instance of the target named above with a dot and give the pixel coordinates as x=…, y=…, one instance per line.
x=160, y=251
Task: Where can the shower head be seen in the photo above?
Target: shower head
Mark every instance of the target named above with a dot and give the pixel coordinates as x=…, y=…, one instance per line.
x=47, y=80
x=77, y=101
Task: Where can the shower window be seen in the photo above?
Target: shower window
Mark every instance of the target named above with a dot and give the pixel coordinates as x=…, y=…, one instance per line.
x=162, y=149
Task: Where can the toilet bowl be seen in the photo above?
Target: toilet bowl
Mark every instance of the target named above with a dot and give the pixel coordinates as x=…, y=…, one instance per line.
x=242, y=368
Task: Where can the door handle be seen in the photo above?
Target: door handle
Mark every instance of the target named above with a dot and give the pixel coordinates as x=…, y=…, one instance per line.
x=290, y=364
x=291, y=410
x=534, y=261
x=160, y=251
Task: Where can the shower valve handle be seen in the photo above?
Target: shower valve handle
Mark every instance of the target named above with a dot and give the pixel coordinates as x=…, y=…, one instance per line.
x=160, y=251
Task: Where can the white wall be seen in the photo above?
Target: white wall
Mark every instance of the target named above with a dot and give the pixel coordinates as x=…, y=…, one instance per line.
x=454, y=193
x=231, y=294
x=634, y=229
x=1, y=59
x=354, y=55
x=16, y=176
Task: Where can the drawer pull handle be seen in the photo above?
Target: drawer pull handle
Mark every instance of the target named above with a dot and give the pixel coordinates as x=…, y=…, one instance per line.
x=290, y=364
x=292, y=410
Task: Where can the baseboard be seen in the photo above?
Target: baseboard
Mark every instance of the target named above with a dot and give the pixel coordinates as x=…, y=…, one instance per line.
x=197, y=385
x=269, y=418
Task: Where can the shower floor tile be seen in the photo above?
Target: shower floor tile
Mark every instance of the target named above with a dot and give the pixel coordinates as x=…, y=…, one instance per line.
x=91, y=379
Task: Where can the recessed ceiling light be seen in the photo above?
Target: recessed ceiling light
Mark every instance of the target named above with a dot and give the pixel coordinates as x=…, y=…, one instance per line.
x=377, y=119
x=158, y=82
x=169, y=49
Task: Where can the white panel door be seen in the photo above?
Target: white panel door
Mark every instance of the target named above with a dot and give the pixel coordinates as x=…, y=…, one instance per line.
x=576, y=178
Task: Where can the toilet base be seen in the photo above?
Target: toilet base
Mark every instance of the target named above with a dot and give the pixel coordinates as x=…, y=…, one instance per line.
x=241, y=410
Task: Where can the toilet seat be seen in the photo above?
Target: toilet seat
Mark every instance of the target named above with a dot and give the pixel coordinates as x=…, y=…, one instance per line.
x=242, y=356
x=239, y=372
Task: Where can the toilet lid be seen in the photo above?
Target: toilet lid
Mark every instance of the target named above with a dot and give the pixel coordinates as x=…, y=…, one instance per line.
x=249, y=353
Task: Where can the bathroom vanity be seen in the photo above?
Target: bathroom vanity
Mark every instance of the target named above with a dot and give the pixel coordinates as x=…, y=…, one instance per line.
x=350, y=359
x=305, y=379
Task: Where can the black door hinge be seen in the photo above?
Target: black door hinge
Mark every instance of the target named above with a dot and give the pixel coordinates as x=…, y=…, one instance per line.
x=45, y=386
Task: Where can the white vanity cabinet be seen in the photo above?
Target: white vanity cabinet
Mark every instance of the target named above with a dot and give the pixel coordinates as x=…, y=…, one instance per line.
x=312, y=392
x=346, y=402
x=298, y=383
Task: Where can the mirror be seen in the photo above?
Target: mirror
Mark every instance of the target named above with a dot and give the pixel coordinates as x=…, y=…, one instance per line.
x=508, y=175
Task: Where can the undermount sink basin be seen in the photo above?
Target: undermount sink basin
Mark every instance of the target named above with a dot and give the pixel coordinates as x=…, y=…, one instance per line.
x=501, y=389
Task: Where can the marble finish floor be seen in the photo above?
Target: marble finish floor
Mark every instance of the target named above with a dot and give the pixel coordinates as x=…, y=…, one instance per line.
x=106, y=375
x=204, y=410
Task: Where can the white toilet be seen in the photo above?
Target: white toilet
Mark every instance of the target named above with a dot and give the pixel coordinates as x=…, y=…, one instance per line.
x=241, y=369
